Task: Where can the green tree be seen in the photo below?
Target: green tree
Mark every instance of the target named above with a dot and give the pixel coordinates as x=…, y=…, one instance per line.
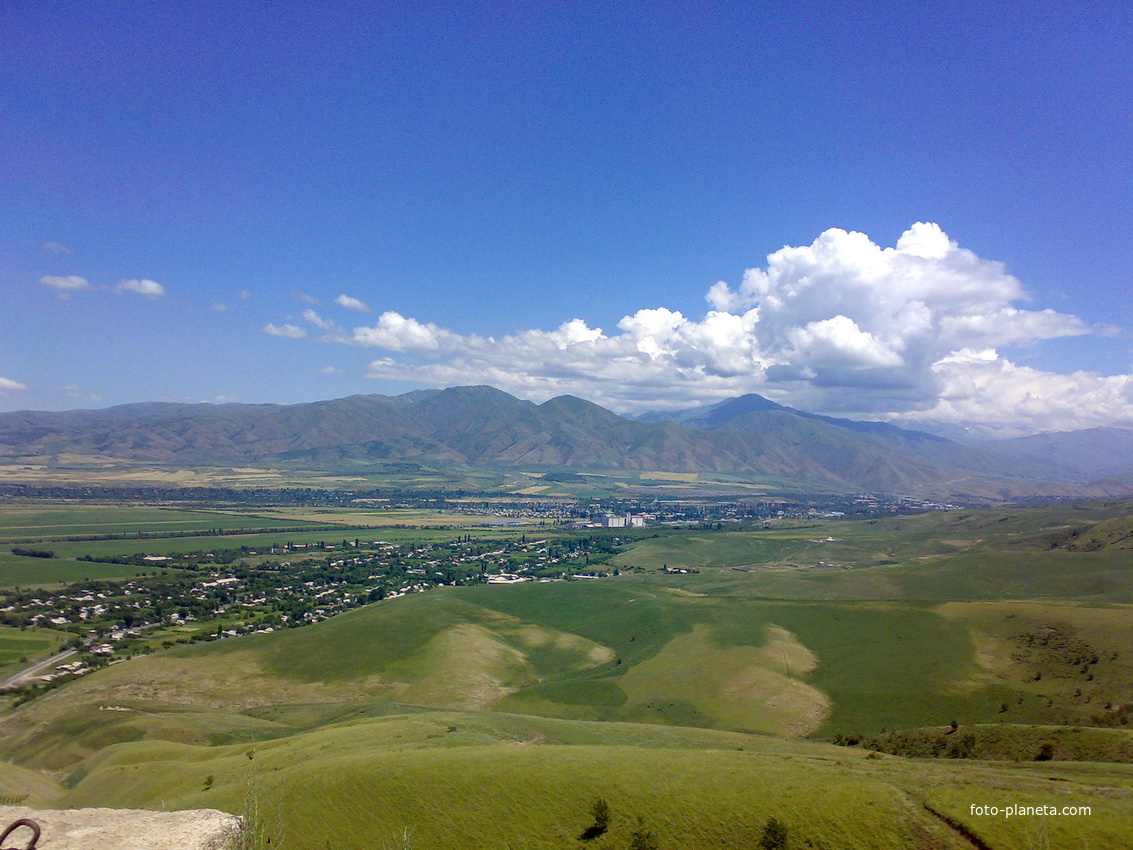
x=601, y=812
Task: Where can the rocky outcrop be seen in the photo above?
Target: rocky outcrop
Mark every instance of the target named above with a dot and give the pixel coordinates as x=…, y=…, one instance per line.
x=123, y=829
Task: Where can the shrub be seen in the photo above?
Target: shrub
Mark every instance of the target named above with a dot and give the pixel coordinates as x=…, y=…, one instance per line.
x=600, y=811
x=642, y=839
x=774, y=835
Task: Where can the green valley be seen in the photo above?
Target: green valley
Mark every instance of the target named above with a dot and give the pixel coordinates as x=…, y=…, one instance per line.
x=863, y=681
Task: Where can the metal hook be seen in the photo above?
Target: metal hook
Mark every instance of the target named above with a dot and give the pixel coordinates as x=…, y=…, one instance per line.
x=30, y=824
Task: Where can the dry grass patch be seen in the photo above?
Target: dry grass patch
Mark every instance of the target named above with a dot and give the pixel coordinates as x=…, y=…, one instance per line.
x=739, y=687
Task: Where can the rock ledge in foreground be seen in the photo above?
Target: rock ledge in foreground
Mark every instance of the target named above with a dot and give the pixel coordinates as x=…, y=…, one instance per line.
x=123, y=829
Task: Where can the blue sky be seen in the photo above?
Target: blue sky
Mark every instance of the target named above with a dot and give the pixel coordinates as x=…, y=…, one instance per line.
x=545, y=197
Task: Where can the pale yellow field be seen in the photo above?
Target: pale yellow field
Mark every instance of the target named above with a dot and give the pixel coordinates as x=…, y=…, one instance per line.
x=72, y=470
x=379, y=518
x=687, y=477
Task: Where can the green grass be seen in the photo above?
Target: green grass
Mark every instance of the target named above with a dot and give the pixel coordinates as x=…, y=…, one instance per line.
x=459, y=780
x=20, y=571
x=21, y=523
x=990, y=555
x=22, y=787
x=630, y=649
x=1009, y=742
x=489, y=716
x=30, y=643
x=264, y=541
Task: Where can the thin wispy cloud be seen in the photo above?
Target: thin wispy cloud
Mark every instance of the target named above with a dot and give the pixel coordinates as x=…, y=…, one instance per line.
x=77, y=393
x=65, y=283
x=318, y=321
x=842, y=324
x=8, y=385
x=352, y=303
x=56, y=248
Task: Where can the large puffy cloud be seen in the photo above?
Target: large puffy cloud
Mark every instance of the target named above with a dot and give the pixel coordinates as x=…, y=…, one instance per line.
x=842, y=324
x=573, y=358
x=844, y=303
x=980, y=386
x=398, y=333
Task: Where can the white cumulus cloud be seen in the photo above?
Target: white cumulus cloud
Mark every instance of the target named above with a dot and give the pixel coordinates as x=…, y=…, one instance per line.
x=147, y=288
x=842, y=324
x=984, y=387
x=8, y=385
x=287, y=331
x=352, y=303
x=398, y=333
x=844, y=303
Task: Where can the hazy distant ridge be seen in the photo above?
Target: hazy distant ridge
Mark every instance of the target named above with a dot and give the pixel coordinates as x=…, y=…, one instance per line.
x=483, y=426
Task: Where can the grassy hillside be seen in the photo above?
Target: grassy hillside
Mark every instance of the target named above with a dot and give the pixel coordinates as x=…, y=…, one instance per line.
x=1114, y=533
x=458, y=780
x=493, y=716
x=629, y=649
x=954, y=555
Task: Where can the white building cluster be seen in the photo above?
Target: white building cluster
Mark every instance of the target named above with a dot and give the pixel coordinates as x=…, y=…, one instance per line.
x=627, y=521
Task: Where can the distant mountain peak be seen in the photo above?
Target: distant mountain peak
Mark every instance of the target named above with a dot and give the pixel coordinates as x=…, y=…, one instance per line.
x=733, y=407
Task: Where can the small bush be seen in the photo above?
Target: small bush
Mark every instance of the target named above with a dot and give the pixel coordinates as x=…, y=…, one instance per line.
x=600, y=811
x=774, y=835
x=642, y=839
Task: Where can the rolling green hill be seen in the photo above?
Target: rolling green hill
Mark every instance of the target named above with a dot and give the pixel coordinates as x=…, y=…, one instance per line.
x=459, y=780
x=703, y=703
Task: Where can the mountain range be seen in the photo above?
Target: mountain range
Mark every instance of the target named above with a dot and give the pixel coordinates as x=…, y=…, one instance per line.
x=485, y=427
